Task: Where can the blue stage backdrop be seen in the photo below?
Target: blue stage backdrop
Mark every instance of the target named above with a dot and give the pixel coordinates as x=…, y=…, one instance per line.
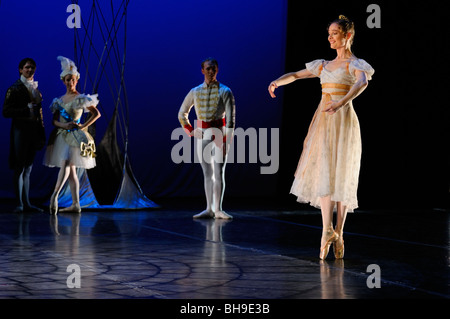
x=165, y=43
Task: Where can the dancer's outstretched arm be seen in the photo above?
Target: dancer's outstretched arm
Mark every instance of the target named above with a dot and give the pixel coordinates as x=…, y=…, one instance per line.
x=289, y=78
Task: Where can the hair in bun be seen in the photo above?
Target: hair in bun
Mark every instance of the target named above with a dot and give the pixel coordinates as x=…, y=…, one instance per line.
x=346, y=25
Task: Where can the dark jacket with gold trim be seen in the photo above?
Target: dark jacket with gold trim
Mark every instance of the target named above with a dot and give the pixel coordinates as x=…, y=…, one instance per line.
x=15, y=106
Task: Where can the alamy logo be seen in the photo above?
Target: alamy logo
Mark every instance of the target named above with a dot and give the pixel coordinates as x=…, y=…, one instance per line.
x=374, y=20
x=247, y=146
x=73, y=20
x=74, y=279
x=374, y=280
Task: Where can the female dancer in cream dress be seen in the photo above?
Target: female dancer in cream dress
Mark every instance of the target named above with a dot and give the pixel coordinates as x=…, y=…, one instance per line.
x=70, y=145
x=328, y=170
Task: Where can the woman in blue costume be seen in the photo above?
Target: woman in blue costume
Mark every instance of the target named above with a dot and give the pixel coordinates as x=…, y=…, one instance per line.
x=70, y=145
x=328, y=169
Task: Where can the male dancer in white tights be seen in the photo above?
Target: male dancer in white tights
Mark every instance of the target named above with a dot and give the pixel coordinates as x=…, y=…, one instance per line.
x=215, y=110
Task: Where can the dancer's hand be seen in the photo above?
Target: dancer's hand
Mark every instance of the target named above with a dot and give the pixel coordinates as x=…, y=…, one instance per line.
x=332, y=107
x=71, y=125
x=271, y=88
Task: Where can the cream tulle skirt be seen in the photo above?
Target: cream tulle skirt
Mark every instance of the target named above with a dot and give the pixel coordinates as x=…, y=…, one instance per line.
x=330, y=161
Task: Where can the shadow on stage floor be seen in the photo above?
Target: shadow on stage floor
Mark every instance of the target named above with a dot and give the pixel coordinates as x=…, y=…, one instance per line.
x=267, y=251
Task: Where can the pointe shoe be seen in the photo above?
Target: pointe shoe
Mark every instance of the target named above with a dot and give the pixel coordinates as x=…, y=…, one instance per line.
x=53, y=205
x=222, y=215
x=72, y=209
x=330, y=237
x=204, y=214
x=338, y=248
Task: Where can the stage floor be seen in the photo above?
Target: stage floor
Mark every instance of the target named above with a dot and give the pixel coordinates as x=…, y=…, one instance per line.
x=265, y=252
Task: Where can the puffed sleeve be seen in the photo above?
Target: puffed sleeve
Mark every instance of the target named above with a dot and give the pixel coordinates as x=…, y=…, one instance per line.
x=361, y=65
x=315, y=66
x=54, y=106
x=83, y=101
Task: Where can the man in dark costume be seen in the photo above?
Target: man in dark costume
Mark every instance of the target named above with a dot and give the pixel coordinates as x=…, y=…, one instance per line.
x=23, y=105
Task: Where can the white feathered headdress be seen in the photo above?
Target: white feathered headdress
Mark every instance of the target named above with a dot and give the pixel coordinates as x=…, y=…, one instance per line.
x=68, y=67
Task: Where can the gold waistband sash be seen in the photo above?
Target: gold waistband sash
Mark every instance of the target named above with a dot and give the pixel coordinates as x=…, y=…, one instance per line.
x=335, y=93
x=336, y=86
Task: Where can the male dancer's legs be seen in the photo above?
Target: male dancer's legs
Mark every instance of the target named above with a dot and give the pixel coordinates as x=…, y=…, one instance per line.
x=21, y=182
x=24, y=154
x=213, y=162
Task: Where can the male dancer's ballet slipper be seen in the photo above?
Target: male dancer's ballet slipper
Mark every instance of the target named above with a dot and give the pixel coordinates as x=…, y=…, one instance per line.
x=204, y=214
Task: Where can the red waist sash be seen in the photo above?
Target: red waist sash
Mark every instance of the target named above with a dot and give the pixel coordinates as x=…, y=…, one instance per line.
x=216, y=123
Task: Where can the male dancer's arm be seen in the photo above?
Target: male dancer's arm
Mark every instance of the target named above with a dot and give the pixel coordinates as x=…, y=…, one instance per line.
x=183, y=113
x=183, y=116
x=14, y=106
x=230, y=119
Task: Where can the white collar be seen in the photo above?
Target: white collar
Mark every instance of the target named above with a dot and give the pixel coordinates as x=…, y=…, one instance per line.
x=29, y=83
